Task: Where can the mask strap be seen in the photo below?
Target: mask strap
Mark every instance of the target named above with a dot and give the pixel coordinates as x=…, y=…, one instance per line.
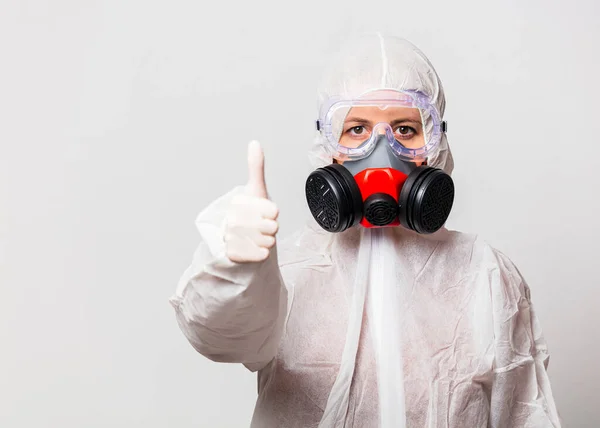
x=336, y=409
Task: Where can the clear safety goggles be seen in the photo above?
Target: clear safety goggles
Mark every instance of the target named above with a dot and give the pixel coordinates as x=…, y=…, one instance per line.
x=409, y=121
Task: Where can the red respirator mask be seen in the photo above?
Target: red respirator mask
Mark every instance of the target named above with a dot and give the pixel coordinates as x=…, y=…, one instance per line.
x=378, y=191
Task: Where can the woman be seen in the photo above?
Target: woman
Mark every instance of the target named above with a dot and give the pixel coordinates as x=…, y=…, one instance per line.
x=390, y=326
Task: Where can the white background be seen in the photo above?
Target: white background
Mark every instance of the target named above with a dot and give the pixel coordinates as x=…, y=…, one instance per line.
x=120, y=120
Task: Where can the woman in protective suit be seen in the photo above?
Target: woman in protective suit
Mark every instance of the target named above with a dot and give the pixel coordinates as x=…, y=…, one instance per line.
x=373, y=314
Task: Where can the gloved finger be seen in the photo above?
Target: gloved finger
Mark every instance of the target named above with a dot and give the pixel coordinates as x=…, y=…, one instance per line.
x=267, y=209
x=245, y=205
x=256, y=170
x=257, y=254
x=265, y=241
x=268, y=226
x=242, y=250
x=256, y=238
x=242, y=232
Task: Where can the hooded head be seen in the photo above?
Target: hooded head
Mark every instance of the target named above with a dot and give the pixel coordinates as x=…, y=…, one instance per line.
x=373, y=62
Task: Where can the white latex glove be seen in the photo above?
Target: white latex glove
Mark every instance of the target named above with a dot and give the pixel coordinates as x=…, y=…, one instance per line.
x=250, y=223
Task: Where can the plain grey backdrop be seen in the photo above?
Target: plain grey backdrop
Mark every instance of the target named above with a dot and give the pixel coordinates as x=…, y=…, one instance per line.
x=121, y=120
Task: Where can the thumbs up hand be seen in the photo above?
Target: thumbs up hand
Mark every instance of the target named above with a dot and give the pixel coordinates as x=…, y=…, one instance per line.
x=251, y=221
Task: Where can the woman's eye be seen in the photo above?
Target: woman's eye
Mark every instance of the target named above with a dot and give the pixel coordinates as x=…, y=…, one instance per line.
x=405, y=131
x=357, y=130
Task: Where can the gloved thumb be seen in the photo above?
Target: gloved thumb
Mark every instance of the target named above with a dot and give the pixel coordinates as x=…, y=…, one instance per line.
x=256, y=170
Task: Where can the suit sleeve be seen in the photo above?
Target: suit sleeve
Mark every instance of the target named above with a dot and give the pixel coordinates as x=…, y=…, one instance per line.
x=230, y=312
x=521, y=394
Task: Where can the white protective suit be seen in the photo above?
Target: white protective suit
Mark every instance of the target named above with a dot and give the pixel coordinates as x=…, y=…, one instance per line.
x=372, y=327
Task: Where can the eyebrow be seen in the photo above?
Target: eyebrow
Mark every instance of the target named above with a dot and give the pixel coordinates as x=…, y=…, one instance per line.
x=357, y=120
x=397, y=121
